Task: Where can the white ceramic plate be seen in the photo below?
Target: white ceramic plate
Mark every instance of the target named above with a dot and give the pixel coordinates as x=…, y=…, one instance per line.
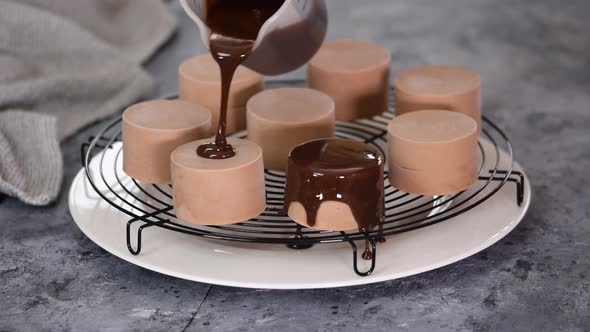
x=276, y=266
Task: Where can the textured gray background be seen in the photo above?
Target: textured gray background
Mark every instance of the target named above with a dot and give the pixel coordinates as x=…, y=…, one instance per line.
x=534, y=57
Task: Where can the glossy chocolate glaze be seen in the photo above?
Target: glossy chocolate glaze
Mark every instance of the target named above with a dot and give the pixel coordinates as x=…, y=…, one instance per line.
x=340, y=170
x=234, y=28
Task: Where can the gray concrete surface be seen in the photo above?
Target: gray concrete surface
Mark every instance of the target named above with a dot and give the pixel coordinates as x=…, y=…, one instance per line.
x=534, y=57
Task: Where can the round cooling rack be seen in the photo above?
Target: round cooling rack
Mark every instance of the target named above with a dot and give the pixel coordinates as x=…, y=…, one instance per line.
x=136, y=222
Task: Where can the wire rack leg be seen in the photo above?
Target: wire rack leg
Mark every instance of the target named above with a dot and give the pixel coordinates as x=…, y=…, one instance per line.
x=519, y=181
x=299, y=246
x=84, y=148
x=137, y=251
x=373, y=257
x=519, y=186
x=147, y=224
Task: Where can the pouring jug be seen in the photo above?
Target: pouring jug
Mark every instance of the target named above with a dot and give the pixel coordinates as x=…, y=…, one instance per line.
x=286, y=41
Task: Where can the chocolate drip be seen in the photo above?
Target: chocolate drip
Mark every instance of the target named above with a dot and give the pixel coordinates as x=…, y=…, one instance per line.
x=234, y=25
x=367, y=254
x=340, y=170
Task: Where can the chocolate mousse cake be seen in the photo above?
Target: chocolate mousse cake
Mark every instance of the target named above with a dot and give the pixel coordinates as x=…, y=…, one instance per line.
x=335, y=184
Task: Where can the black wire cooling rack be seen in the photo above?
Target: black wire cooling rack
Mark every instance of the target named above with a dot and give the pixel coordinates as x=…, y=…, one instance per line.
x=150, y=205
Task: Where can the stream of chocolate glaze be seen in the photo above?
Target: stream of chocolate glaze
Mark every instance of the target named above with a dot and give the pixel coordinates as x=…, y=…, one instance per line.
x=340, y=170
x=234, y=26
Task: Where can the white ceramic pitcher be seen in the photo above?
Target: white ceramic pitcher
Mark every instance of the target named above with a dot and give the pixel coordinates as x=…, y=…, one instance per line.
x=286, y=41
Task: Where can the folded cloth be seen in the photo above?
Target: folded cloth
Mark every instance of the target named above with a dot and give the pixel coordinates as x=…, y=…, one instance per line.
x=63, y=65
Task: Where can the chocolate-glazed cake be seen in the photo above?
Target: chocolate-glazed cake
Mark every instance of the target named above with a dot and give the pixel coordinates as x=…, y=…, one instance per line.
x=335, y=184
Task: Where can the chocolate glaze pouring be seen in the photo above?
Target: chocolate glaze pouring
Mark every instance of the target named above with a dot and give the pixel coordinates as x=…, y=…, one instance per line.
x=340, y=170
x=234, y=25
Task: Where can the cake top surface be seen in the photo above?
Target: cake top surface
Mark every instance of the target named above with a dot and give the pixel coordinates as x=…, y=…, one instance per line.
x=291, y=105
x=247, y=152
x=167, y=115
x=432, y=126
x=351, y=55
x=437, y=80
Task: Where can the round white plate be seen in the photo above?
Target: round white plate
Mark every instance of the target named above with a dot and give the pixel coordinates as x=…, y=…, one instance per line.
x=278, y=267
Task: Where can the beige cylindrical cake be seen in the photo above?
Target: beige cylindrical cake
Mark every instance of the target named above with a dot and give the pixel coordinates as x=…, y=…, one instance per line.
x=281, y=119
x=153, y=129
x=439, y=87
x=355, y=74
x=432, y=152
x=199, y=81
x=218, y=191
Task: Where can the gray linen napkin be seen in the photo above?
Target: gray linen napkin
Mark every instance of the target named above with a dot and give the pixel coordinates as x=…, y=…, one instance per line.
x=63, y=65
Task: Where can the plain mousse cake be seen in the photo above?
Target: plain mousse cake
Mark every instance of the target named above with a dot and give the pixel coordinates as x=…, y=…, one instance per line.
x=200, y=83
x=218, y=191
x=355, y=74
x=153, y=129
x=432, y=152
x=281, y=119
x=439, y=87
